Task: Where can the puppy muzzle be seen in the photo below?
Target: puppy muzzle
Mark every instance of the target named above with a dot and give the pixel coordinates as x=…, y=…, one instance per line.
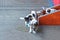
x=36, y=24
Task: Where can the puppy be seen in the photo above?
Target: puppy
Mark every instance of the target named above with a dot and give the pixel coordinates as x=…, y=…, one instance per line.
x=31, y=22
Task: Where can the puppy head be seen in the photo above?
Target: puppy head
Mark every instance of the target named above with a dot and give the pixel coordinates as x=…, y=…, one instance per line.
x=36, y=24
x=28, y=18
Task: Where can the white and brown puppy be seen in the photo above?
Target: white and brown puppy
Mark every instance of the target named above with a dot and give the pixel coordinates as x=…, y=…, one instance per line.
x=31, y=22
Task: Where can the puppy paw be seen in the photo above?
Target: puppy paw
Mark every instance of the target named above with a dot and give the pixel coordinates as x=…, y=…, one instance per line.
x=34, y=32
x=30, y=31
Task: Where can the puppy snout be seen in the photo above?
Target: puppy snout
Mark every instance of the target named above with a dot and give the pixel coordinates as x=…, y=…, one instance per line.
x=36, y=24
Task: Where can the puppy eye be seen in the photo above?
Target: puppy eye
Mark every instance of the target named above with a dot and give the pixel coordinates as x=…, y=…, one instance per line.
x=33, y=15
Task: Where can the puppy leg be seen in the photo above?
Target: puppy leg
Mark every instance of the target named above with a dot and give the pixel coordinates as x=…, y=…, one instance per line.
x=34, y=30
x=30, y=30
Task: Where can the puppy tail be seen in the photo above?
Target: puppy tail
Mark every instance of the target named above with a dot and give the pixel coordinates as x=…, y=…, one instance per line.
x=22, y=18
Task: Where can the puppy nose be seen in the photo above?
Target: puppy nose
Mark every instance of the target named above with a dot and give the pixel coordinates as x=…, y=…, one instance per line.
x=36, y=24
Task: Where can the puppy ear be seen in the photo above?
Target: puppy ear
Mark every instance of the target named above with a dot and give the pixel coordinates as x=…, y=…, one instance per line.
x=21, y=18
x=26, y=18
x=33, y=15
